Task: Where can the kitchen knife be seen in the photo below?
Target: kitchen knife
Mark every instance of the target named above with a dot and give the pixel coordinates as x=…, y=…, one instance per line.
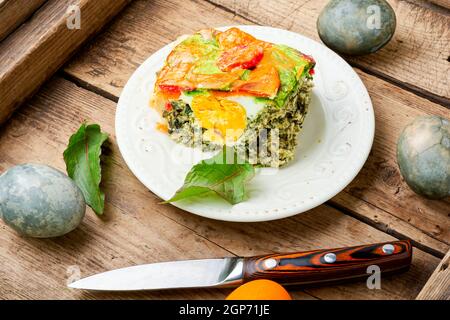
x=302, y=268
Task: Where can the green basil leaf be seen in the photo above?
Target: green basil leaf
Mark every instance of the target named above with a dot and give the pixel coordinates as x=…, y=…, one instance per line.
x=225, y=174
x=82, y=158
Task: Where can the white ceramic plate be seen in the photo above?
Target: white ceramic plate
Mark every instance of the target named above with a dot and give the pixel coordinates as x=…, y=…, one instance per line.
x=333, y=146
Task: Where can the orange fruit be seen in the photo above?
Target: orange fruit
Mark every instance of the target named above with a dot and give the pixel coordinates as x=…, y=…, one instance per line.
x=260, y=290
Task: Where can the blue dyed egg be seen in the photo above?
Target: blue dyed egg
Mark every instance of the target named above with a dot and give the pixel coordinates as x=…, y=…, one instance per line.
x=356, y=27
x=423, y=155
x=40, y=201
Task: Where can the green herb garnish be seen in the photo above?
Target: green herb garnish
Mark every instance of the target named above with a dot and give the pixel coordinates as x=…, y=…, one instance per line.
x=225, y=174
x=245, y=75
x=82, y=158
x=196, y=92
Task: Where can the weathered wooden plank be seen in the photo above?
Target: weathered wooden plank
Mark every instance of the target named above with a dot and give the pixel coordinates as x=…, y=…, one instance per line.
x=35, y=51
x=141, y=29
x=131, y=231
x=378, y=194
x=442, y=3
x=324, y=227
x=136, y=228
x=14, y=12
x=417, y=56
x=438, y=286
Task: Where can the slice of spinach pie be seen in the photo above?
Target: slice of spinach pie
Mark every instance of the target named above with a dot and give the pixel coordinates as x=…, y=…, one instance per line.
x=219, y=88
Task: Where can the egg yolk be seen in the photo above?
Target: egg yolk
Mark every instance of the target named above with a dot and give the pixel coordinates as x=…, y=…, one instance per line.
x=260, y=290
x=224, y=120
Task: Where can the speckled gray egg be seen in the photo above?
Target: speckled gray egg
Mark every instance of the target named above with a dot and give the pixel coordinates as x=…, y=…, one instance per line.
x=356, y=27
x=40, y=201
x=423, y=155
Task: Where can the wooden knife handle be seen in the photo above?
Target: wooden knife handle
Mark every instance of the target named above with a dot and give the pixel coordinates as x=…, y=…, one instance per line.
x=332, y=265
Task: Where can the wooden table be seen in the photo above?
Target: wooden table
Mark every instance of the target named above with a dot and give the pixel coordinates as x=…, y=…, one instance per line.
x=407, y=78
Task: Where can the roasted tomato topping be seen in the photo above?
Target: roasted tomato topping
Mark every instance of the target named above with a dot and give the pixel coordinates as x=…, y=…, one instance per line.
x=264, y=81
x=215, y=81
x=231, y=61
x=170, y=88
x=234, y=37
x=308, y=58
x=244, y=57
x=168, y=106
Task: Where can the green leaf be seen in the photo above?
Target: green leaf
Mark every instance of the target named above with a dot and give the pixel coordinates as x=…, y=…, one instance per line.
x=82, y=158
x=225, y=174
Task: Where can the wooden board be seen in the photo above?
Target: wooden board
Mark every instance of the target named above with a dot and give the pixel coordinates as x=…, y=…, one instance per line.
x=438, y=286
x=14, y=12
x=35, y=51
x=416, y=58
x=377, y=196
x=137, y=229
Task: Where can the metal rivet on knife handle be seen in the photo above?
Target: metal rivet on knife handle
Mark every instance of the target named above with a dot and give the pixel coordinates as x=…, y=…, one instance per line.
x=328, y=265
x=388, y=248
x=329, y=258
x=270, y=263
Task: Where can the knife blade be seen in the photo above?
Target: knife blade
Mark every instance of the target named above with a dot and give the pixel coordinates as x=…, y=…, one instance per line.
x=165, y=275
x=300, y=268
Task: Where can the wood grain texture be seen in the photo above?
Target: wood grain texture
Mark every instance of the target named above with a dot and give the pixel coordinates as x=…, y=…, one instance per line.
x=320, y=228
x=37, y=49
x=378, y=195
x=130, y=232
x=438, y=286
x=442, y=3
x=137, y=229
x=14, y=12
x=416, y=57
x=141, y=29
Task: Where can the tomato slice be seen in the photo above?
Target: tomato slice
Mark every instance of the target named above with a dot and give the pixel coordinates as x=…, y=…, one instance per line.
x=239, y=50
x=264, y=81
x=244, y=57
x=234, y=37
x=170, y=88
x=215, y=81
x=172, y=80
x=168, y=106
